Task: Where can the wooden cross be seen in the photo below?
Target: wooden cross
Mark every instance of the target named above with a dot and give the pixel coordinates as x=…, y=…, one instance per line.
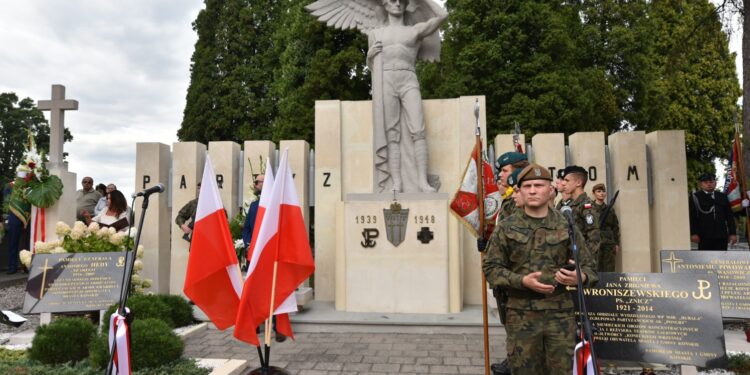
x=57, y=107
x=44, y=277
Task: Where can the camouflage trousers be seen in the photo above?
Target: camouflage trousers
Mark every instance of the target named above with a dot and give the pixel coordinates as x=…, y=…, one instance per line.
x=606, y=258
x=540, y=342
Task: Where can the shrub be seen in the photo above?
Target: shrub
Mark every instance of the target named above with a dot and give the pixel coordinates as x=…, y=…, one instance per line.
x=153, y=344
x=180, y=310
x=10, y=355
x=739, y=363
x=27, y=367
x=63, y=340
x=142, y=306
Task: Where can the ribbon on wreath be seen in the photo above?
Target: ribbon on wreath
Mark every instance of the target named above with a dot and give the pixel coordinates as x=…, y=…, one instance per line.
x=38, y=228
x=120, y=333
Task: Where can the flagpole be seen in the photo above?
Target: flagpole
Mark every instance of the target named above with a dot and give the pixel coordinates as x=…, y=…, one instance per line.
x=480, y=201
x=741, y=177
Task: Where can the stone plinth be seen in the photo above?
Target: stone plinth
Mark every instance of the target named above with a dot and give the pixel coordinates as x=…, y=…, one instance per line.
x=549, y=151
x=411, y=277
x=670, y=225
x=504, y=143
x=225, y=158
x=299, y=163
x=188, y=160
x=151, y=168
x=65, y=208
x=587, y=151
x=630, y=176
x=344, y=165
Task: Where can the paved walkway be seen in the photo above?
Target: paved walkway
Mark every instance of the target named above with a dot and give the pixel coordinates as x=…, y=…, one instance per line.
x=358, y=353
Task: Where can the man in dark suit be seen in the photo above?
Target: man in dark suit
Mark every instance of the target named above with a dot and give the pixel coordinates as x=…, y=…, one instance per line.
x=712, y=225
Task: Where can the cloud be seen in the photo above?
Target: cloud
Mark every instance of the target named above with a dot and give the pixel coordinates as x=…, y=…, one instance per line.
x=127, y=64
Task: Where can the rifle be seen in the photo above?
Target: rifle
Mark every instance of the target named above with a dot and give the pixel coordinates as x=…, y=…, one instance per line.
x=609, y=207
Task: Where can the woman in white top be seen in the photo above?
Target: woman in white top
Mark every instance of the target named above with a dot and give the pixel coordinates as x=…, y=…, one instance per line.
x=116, y=215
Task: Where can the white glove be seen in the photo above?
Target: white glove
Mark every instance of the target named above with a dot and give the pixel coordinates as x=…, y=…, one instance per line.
x=745, y=203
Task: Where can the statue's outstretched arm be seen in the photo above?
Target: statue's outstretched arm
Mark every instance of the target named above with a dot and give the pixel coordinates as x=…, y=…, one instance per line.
x=430, y=26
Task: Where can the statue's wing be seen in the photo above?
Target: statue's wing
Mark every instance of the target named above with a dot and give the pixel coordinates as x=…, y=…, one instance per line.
x=419, y=12
x=347, y=14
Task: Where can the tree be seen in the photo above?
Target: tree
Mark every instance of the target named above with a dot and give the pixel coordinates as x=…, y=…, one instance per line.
x=527, y=58
x=16, y=119
x=229, y=97
x=317, y=63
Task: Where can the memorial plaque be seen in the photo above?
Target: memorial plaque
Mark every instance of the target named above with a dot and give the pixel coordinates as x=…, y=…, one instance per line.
x=70, y=282
x=732, y=268
x=657, y=318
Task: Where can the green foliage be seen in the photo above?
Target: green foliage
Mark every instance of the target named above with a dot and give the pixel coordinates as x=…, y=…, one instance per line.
x=739, y=363
x=27, y=367
x=180, y=311
x=156, y=345
x=47, y=193
x=16, y=118
x=12, y=355
x=89, y=239
x=143, y=306
x=63, y=340
x=236, y=224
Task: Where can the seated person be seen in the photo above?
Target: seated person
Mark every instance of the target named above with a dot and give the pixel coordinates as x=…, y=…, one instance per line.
x=116, y=215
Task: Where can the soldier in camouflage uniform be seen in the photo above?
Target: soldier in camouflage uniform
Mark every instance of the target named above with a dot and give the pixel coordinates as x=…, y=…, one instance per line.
x=525, y=255
x=186, y=217
x=610, y=231
x=584, y=212
x=506, y=164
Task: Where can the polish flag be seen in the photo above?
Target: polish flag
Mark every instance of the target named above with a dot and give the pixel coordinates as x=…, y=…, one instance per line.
x=583, y=364
x=280, y=260
x=213, y=280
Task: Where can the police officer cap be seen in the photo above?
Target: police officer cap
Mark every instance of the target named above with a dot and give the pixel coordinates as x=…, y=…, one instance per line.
x=509, y=158
x=574, y=169
x=707, y=177
x=534, y=172
x=513, y=177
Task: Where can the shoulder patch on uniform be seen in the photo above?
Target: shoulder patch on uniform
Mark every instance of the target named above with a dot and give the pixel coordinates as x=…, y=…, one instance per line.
x=589, y=219
x=587, y=205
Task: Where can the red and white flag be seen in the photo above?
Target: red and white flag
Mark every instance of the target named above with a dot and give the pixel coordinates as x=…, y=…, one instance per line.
x=466, y=204
x=583, y=364
x=213, y=280
x=119, y=332
x=281, y=259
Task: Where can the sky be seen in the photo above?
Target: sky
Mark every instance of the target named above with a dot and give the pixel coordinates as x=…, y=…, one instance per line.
x=127, y=64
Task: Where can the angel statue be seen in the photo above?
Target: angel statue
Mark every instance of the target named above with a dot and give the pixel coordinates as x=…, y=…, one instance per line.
x=398, y=34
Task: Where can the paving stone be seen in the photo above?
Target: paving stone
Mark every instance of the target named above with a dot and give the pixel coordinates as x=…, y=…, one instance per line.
x=390, y=368
x=442, y=369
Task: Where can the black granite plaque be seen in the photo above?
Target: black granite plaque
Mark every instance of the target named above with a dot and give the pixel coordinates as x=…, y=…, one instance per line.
x=731, y=267
x=657, y=318
x=73, y=282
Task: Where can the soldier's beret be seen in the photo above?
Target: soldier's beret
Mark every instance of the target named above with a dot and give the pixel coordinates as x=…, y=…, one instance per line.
x=598, y=187
x=707, y=177
x=561, y=173
x=534, y=172
x=574, y=169
x=513, y=177
x=509, y=158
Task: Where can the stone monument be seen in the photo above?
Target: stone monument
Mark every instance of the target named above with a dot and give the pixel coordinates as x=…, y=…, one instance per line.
x=65, y=208
x=398, y=34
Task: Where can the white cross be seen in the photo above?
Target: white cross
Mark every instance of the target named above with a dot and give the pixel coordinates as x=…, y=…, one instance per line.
x=57, y=107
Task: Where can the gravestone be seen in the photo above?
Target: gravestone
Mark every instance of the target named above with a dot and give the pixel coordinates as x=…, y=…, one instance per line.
x=732, y=268
x=151, y=168
x=65, y=208
x=657, y=318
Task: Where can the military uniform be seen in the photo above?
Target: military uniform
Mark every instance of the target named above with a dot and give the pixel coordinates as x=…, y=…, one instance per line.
x=540, y=327
x=187, y=213
x=587, y=220
x=610, y=234
x=711, y=219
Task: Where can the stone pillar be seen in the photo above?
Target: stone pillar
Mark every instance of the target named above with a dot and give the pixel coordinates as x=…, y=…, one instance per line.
x=299, y=162
x=65, y=208
x=327, y=194
x=255, y=155
x=504, y=143
x=549, y=151
x=627, y=152
x=670, y=225
x=188, y=159
x=225, y=158
x=587, y=151
x=151, y=168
